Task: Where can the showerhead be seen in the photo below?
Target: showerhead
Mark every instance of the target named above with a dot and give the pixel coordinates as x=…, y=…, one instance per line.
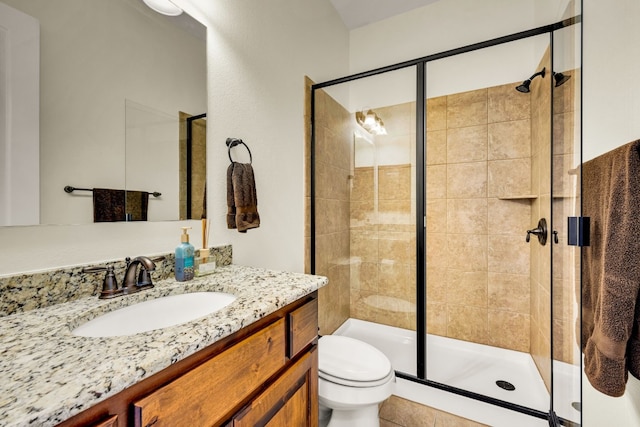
x=560, y=78
x=524, y=87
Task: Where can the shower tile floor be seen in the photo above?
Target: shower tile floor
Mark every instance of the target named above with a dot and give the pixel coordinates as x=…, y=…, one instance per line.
x=467, y=366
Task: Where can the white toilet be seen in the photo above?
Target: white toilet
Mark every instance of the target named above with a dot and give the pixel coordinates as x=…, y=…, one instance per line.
x=354, y=378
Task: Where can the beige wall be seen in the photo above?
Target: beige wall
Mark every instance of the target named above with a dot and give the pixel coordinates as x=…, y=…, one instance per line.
x=565, y=203
x=478, y=209
x=383, y=269
x=541, y=208
x=334, y=139
x=478, y=188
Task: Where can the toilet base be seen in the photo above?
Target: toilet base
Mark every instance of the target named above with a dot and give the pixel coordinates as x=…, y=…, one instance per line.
x=364, y=416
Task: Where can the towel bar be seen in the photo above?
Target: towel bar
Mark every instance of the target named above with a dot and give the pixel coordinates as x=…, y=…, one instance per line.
x=70, y=189
x=232, y=142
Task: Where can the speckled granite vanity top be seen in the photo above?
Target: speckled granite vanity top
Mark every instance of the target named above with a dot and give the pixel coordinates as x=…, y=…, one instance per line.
x=49, y=375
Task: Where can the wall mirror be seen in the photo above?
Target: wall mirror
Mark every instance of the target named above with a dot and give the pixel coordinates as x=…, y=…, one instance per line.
x=117, y=83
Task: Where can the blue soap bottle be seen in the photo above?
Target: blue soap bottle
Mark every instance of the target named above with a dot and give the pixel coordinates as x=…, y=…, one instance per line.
x=184, y=258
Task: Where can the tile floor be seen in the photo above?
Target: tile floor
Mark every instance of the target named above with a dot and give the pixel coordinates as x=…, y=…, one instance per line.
x=396, y=411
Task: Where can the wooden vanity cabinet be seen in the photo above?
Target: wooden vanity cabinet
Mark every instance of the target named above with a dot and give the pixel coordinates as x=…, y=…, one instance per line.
x=263, y=375
x=287, y=401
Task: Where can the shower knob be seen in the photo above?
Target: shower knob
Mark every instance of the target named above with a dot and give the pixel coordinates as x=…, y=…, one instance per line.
x=540, y=231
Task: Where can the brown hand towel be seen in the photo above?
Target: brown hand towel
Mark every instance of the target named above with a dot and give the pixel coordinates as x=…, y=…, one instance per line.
x=112, y=205
x=242, y=201
x=611, y=278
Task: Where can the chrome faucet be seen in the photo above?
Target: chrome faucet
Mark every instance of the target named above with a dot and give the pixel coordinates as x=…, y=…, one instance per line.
x=130, y=284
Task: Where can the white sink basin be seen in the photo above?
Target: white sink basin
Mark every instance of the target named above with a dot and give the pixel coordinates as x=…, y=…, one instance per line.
x=154, y=314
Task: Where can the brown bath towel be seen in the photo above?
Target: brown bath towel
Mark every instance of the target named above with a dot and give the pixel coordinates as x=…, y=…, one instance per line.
x=611, y=265
x=242, y=201
x=113, y=205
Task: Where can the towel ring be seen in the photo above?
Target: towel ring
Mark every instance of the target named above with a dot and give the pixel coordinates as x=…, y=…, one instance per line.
x=232, y=142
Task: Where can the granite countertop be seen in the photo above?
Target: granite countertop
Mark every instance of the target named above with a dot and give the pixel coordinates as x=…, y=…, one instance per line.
x=49, y=375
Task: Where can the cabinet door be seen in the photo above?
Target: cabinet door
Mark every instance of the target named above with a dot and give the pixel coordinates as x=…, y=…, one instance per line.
x=204, y=395
x=290, y=401
x=294, y=413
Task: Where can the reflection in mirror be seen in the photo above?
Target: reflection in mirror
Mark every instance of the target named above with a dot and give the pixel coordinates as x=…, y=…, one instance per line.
x=151, y=137
x=193, y=166
x=94, y=57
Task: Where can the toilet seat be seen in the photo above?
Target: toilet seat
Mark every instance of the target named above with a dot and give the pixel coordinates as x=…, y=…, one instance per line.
x=356, y=384
x=353, y=363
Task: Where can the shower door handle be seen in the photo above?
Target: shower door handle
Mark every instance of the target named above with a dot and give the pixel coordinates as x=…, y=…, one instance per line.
x=540, y=231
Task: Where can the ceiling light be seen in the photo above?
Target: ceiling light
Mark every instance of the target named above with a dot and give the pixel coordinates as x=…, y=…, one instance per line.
x=165, y=7
x=371, y=122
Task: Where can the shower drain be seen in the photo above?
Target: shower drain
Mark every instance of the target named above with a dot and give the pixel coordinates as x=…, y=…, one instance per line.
x=506, y=385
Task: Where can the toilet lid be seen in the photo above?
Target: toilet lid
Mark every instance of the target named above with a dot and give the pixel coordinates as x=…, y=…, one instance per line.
x=351, y=359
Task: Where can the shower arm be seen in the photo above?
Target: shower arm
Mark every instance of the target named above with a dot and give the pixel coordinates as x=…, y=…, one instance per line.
x=539, y=73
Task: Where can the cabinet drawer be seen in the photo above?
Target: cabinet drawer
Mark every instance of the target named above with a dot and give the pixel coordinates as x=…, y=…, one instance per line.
x=303, y=327
x=204, y=395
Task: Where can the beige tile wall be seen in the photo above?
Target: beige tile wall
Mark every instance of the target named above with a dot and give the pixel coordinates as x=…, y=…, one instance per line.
x=383, y=227
x=478, y=154
x=541, y=208
x=334, y=139
x=566, y=259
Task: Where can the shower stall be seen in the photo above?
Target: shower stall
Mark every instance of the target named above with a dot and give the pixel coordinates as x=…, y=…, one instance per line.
x=438, y=196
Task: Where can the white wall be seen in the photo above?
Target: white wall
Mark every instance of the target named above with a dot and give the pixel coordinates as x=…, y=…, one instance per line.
x=611, y=62
x=258, y=55
x=19, y=118
x=152, y=147
x=445, y=25
x=91, y=61
x=423, y=31
x=611, y=111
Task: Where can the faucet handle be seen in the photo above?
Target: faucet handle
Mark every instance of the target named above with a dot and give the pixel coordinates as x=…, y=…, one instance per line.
x=109, y=285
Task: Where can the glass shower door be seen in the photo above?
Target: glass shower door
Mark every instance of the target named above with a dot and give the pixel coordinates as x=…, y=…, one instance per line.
x=365, y=211
x=487, y=183
x=566, y=266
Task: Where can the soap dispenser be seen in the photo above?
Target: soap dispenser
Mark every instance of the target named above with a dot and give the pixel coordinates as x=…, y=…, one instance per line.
x=184, y=258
